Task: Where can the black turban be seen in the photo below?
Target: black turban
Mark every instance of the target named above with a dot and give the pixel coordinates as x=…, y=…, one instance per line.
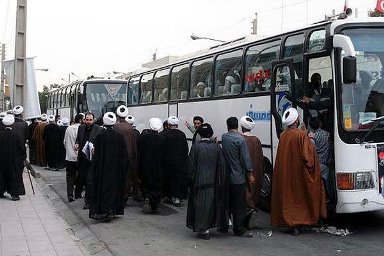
x=205, y=130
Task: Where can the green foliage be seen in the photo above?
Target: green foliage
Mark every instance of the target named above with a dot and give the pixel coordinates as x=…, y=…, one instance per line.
x=43, y=99
x=375, y=13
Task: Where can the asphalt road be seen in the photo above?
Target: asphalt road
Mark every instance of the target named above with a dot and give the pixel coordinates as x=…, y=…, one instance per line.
x=165, y=233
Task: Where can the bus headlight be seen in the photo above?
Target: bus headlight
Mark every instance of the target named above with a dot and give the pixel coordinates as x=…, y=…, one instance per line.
x=356, y=180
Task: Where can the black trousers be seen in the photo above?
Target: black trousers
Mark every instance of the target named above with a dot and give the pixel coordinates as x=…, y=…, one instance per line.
x=83, y=165
x=238, y=207
x=71, y=177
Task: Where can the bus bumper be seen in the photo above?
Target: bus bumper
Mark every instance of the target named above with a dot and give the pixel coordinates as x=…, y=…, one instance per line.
x=359, y=201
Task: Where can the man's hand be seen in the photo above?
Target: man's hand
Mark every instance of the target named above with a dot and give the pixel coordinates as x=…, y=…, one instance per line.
x=76, y=147
x=251, y=178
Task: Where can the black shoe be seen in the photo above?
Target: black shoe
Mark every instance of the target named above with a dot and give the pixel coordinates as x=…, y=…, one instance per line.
x=70, y=199
x=245, y=234
x=205, y=236
x=86, y=207
x=295, y=231
x=15, y=198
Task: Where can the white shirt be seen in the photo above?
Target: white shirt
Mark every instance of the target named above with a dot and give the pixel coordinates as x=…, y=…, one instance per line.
x=69, y=142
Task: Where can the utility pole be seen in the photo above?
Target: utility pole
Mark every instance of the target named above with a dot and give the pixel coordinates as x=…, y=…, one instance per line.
x=20, y=53
x=2, y=78
x=254, y=25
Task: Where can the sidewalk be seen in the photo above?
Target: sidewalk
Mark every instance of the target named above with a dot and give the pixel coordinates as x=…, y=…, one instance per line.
x=32, y=227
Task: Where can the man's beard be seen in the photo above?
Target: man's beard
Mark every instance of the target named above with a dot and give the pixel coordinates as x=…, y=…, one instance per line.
x=88, y=126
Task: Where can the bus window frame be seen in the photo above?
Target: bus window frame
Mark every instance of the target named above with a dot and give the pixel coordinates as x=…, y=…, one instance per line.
x=188, y=65
x=279, y=57
x=155, y=99
x=203, y=58
x=140, y=89
x=213, y=86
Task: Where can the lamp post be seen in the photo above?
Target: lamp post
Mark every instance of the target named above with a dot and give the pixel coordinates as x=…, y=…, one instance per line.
x=195, y=37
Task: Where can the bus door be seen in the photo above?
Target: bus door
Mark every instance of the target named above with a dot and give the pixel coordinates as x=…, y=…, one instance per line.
x=282, y=98
x=172, y=109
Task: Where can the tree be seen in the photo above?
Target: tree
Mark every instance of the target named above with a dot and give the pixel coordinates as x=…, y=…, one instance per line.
x=375, y=13
x=43, y=99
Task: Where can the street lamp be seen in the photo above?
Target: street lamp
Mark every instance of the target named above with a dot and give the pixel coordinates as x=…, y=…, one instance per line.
x=195, y=37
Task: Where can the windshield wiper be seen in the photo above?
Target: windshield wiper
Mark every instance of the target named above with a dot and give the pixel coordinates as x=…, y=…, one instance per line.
x=376, y=122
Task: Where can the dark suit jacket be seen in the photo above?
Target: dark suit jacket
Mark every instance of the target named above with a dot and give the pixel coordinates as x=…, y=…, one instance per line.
x=94, y=132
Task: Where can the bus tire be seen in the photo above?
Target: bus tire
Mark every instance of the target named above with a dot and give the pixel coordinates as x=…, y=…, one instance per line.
x=266, y=187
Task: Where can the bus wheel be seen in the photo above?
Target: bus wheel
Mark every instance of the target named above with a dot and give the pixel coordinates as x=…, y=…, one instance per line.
x=265, y=193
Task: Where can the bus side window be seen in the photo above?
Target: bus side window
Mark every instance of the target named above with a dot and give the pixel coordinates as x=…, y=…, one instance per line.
x=258, y=66
x=227, y=73
x=133, y=91
x=146, y=84
x=161, y=85
x=200, y=77
x=179, y=82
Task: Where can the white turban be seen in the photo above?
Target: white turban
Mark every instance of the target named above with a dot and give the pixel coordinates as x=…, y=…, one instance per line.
x=109, y=118
x=200, y=84
x=122, y=111
x=51, y=118
x=59, y=122
x=65, y=121
x=130, y=119
x=155, y=124
x=44, y=117
x=290, y=116
x=172, y=120
x=247, y=123
x=18, y=110
x=8, y=120
x=230, y=79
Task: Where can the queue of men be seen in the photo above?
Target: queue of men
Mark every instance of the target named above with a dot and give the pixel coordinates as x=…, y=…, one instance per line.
x=109, y=164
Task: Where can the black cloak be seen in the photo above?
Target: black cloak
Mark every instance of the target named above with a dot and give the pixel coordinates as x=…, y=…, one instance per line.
x=12, y=163
x=53, y=142
x=175, y=161
x=110, y=170
x=208, y=195
x=150, y=159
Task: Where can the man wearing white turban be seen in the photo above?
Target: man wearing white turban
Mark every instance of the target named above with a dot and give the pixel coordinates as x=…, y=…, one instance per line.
x=125, y=128
x=150, y=164
x=53, y=143
x=39, y=141
x=175, y=159
x=12, y=155
x=298, y=195
x=257, y=159
x=108, y=176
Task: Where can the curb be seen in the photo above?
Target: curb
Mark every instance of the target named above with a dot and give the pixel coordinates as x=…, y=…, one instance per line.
x=79, y=232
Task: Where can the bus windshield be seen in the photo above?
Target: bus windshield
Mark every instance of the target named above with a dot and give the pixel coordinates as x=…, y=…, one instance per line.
x=364, y=100
x=104, y=97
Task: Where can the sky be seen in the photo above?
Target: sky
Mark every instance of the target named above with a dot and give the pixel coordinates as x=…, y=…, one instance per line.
x=97, y=37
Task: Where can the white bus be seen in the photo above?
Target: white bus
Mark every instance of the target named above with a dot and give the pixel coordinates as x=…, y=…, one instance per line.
x=262, y=78
x=94, y=95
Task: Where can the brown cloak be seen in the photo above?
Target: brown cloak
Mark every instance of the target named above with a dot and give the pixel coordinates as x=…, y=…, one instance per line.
x=126, y=130
x=40, y=144
x=257, y=159
x=298, y=196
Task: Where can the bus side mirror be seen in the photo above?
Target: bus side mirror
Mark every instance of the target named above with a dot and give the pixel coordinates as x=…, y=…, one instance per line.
x=349, y=70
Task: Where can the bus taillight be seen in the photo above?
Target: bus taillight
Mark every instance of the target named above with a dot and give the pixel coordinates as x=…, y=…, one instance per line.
x=344, y=181
x=356, y=180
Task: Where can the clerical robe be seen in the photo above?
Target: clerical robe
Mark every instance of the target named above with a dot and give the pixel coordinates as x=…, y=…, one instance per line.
x=40, y=144
x=257, y=158
x=12, y=156
x=208, y=195
x=110, y=170
x=298, y=195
